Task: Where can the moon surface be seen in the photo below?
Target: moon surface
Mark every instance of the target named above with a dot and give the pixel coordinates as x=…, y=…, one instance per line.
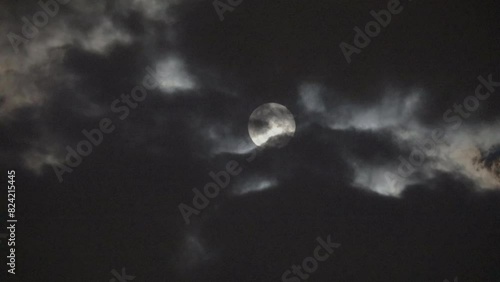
x=271, y=125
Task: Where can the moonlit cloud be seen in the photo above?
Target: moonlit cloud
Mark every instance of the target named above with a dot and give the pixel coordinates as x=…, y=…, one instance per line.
x=173, y=75
x=254, y=184
x=103, y=36
x=394, y=110
x=310, y=97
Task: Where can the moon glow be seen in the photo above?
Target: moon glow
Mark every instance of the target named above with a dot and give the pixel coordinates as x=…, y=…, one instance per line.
x=271, y=125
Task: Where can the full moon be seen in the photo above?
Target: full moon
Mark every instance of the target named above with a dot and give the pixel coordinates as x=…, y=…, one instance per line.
x=271, y=125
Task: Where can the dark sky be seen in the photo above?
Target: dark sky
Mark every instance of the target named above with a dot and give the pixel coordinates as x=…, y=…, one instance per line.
x=349, y=172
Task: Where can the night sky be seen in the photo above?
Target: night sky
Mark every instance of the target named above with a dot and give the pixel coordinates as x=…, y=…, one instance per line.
x=118, y=116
